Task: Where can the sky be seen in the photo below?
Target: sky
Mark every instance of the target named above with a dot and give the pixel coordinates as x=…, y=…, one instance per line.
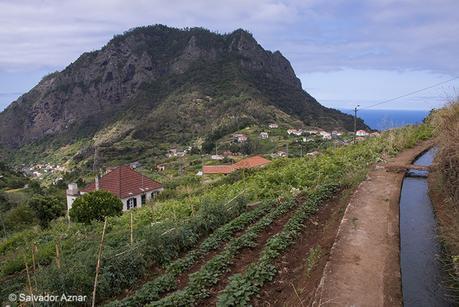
x=346, y=52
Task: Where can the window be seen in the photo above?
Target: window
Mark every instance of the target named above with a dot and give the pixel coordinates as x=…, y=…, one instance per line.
x=131, y=203
x=143, y=199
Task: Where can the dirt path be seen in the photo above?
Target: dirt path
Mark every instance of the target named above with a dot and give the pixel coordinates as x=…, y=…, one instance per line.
x=364, y=264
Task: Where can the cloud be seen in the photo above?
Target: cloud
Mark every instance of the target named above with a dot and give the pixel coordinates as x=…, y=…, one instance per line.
x=314, y=35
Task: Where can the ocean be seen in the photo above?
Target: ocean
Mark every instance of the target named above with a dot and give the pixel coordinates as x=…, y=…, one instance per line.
x=386, y=119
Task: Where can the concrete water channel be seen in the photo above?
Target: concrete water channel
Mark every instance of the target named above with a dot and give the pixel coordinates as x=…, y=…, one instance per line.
x=422, y=275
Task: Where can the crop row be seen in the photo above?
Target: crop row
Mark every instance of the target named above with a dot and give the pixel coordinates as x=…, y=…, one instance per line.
x=210, y=273
x=152, y=290
x=242, y=287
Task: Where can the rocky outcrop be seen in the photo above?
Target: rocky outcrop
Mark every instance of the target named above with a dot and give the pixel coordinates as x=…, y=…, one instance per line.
x=104, y=85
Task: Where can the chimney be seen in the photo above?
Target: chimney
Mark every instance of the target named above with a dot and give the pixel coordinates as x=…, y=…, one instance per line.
x=97, y=182
x=72, y=189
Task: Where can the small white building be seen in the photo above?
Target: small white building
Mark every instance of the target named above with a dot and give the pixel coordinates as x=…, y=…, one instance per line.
x=264, y=135
x=295, y=132
x=279, y=154
x=133, y=188
x=362, y=133
x=326, y=135
x=217, y=157
x=240, y=137
x=273, y=126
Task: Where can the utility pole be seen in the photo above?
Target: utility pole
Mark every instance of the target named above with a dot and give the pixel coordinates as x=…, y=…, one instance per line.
x=355, y=122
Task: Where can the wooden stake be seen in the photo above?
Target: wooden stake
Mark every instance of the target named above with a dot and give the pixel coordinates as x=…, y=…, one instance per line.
x=101, y=246
x=3, y=226
x=35, y=264
x=29, y=281
x=193, y=212
x=58, y=254
x=33, y=257
x=132, y=231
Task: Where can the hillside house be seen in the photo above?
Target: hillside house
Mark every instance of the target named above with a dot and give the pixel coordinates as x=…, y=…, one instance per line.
x=264, y=135
x=217, y=157
x=295, y=132
x=362, y=133
x=326, y=135
x=133, y=188
x=273, y=126
x=252, y=162
x=161, y=167
x=240, y=137
x=135, y=164
x=279, y=154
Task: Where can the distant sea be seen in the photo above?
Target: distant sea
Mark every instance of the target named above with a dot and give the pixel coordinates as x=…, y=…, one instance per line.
x=386, y=119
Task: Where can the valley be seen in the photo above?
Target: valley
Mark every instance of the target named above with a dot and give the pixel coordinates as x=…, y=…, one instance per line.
x=184, y=167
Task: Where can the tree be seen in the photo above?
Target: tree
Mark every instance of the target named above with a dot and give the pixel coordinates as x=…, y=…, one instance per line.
x=46, y=209
x=95, y=206
x=35, y=187
x=4, y=202
x=18, y=218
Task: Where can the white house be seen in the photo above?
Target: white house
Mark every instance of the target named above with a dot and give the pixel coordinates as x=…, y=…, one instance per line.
x=362, y=133
x=133, y=188
x=295, y=132
x=217, y=157
x=240, y=138
x=326, y=135
x=264, y=135
x=273, y=126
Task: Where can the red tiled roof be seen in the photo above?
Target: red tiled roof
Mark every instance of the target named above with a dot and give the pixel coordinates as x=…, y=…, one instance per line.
x=251, y=162
x=124, y=182
x=218, y=169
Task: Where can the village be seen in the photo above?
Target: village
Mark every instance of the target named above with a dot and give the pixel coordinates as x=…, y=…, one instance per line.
x=139, y=182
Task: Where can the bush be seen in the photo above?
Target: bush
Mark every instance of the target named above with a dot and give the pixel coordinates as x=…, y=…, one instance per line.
x=19, y=218
x=95, y=206
x=46, y=209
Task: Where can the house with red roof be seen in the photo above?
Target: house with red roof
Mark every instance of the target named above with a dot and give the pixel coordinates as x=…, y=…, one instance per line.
x=251, y=162
x=133, y=188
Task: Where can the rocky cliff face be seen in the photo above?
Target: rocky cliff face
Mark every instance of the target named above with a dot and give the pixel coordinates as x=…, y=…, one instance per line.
x=146, y=70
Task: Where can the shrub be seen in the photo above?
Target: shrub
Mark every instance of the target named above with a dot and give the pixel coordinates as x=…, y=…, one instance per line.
x=95, y=206
x=46, y=209
x=19, y=217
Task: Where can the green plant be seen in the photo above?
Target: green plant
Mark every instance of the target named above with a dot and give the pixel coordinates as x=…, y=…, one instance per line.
x=210, y=273
x=95, y=206
x=314, y=255
x=152, y=290
x=46, y=209
x=243, y=286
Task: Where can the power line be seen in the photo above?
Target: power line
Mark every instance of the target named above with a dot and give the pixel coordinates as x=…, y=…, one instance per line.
x=410, y=93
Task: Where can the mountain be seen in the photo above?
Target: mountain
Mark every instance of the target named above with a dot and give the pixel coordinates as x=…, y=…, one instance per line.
x=158, y=85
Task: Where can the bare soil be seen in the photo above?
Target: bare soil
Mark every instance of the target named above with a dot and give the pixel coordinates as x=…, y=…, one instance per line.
x=247, y=256
x=296, y=281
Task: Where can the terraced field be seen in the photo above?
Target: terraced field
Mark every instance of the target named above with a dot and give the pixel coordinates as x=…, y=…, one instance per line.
x=225, y=247
x=234, y=264
x=256, y=238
